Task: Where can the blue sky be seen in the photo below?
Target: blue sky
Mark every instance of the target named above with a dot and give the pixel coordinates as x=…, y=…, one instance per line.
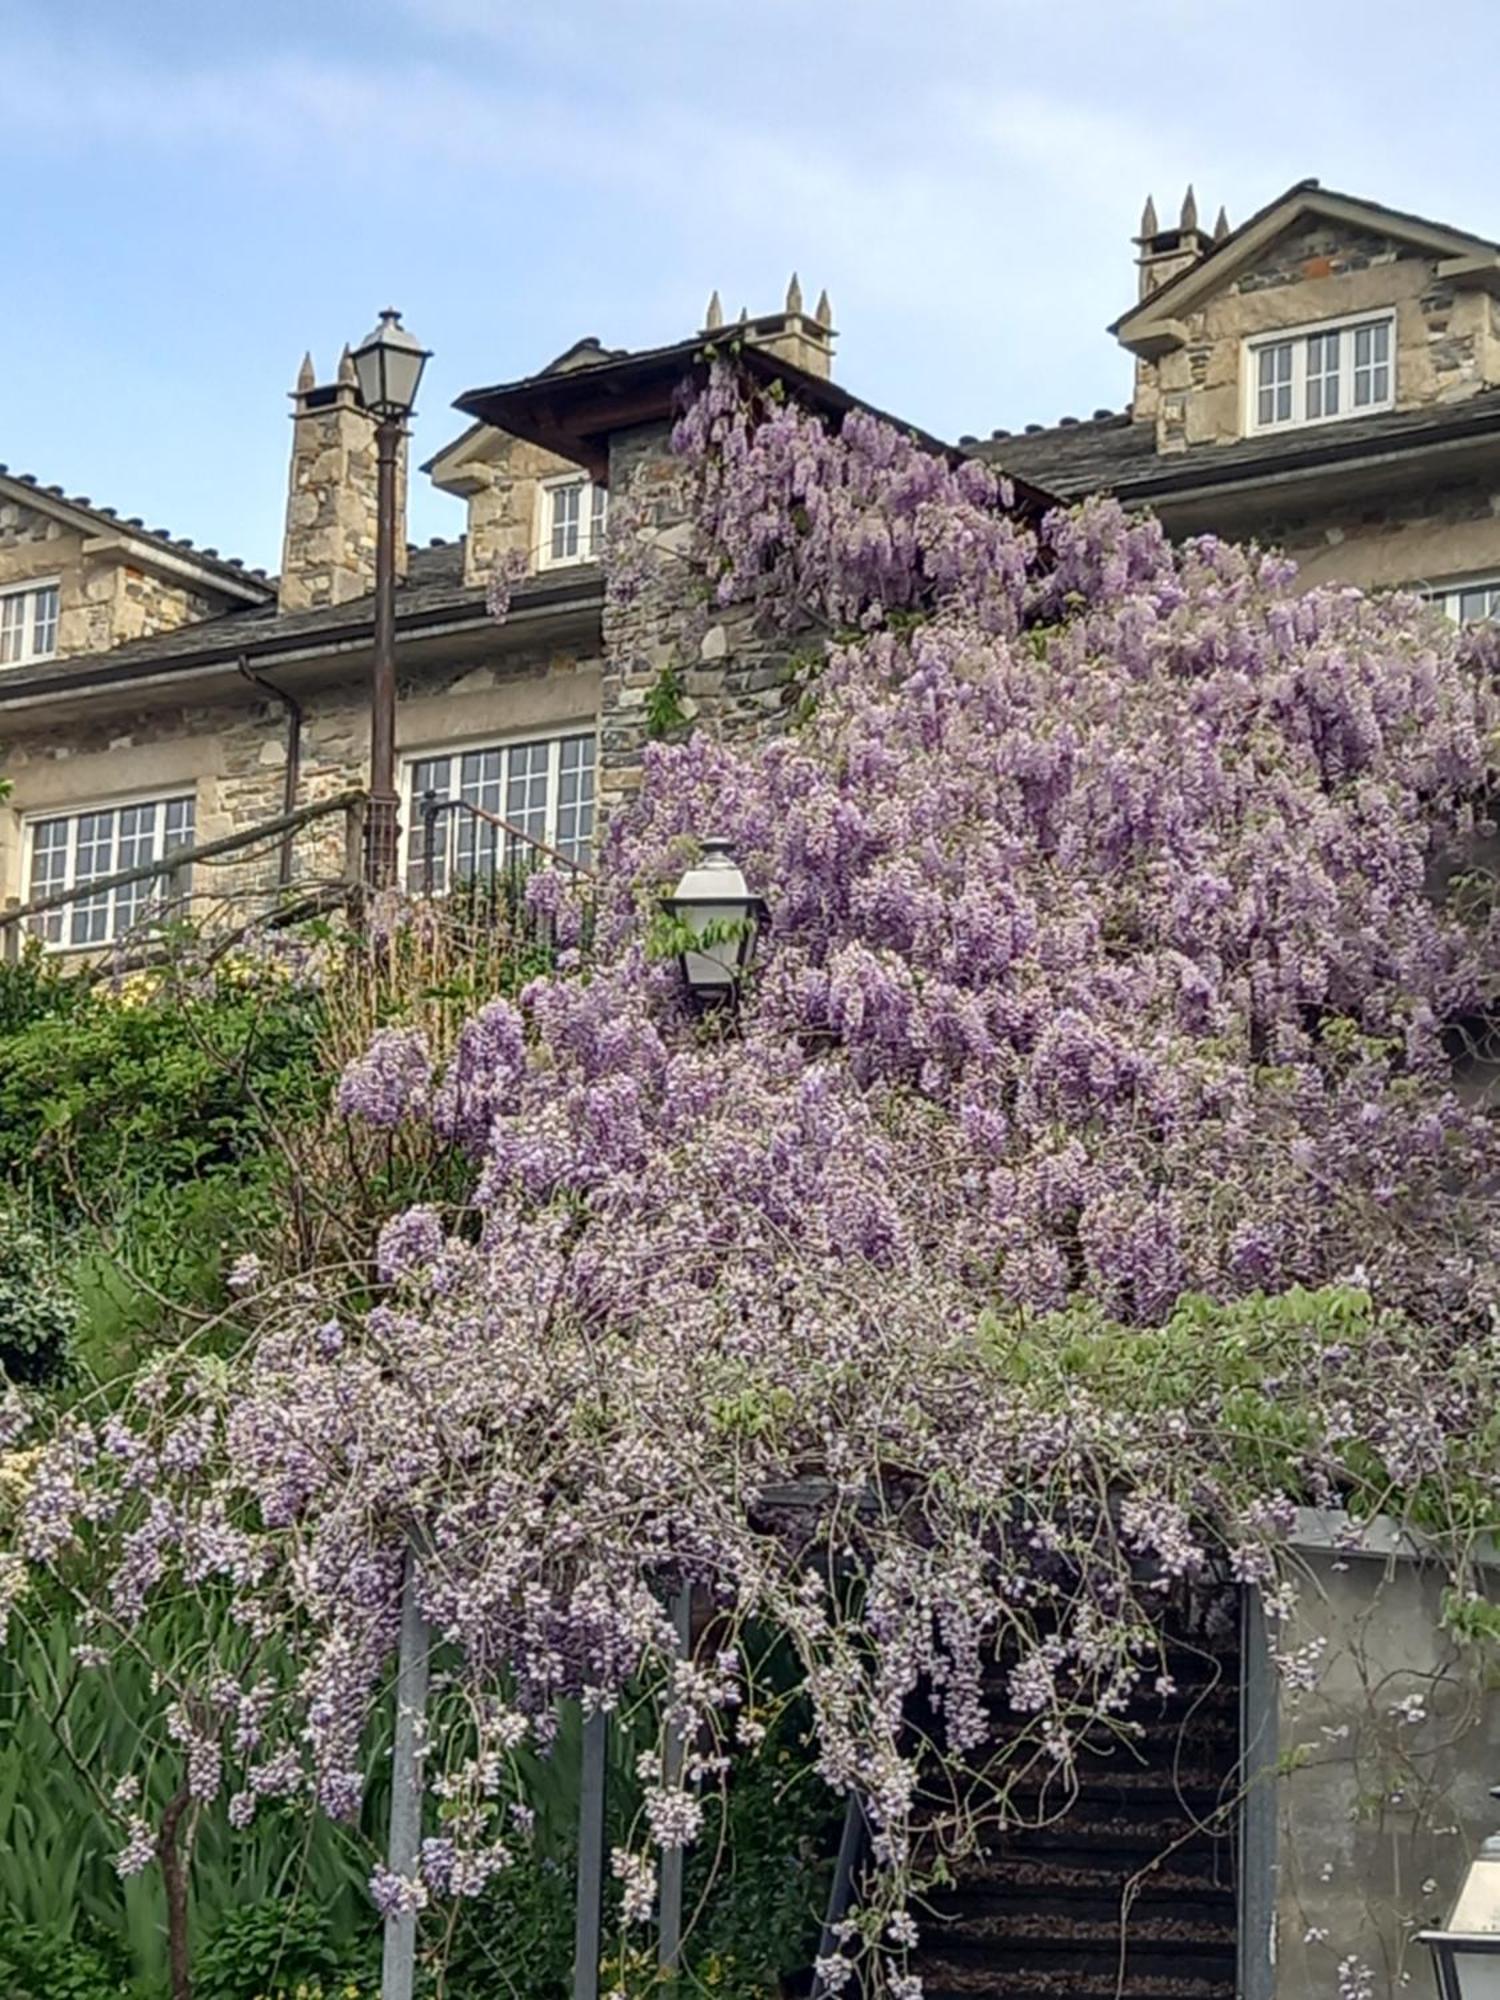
x=197, y=190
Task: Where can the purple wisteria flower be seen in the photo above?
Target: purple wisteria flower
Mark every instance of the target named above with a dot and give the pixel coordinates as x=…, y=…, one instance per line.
x=390, y=1081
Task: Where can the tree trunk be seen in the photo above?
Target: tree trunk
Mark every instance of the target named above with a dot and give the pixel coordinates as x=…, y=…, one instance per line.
x=174, y=1880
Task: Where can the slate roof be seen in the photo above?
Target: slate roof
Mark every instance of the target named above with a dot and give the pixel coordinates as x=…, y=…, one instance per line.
x=434, y=594
x=231, y=568
x=1112, y=454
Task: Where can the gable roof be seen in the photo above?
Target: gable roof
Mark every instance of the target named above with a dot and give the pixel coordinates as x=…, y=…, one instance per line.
x=226, y=576
x=1149, y=325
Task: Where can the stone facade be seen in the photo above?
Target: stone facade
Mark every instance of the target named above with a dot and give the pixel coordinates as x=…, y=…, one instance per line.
x=1319, y=268
x=104, y=597
x=501, y=479
x=733, y=680
x=231, y=754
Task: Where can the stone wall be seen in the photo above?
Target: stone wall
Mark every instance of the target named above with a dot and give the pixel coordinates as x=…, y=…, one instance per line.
x=734, y=679
x=103, y=600
x=503, y=492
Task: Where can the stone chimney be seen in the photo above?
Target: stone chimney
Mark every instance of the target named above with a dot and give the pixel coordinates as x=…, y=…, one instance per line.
x=1163, y=254
x=1166, y=252
x=328, y=554
x=806, y=340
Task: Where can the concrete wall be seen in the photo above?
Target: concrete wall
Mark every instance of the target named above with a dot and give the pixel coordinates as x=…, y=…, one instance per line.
x=1385, y=1765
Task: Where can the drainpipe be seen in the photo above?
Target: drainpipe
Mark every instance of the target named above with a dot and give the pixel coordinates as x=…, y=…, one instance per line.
x=292, y=778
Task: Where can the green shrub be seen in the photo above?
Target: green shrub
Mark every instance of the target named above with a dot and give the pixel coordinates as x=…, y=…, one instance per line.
x=279, y=1947
x=39, y=1313
x=40, y=1962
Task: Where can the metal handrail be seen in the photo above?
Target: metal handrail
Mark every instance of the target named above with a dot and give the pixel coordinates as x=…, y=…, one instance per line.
x=181, y=857
x=431, y=808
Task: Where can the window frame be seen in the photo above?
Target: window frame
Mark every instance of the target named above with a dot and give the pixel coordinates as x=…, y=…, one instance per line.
x=1448, y=597
x=72, y=816
x=503, y=745
x=1300, y=338
x=28, y=591
x=593, y=514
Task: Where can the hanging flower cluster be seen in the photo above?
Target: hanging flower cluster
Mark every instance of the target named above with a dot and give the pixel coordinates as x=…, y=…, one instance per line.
x=1106, y=966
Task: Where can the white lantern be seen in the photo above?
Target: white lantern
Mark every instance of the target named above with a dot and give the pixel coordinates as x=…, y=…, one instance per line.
x=714, y=903
x=388, y=366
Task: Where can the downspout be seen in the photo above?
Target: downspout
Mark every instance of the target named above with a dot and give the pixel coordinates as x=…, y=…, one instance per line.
x=292, y=777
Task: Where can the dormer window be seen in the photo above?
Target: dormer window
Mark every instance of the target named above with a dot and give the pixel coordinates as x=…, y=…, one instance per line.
x=572, y=524
x=28, y=623
x=1315, y=374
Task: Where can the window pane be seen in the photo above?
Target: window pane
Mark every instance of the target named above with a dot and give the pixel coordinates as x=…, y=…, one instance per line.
x=136, y=844
x=526, y=792
x=481, y=785
x=428, y=775
x=49, y=872
x=575, y=797
x=44, y=622
x=12, y=626
x=1274, y=383
x=93, y=855
x=567, y=510
x=598, y=514
x=1372, y=372
x=1322, y=375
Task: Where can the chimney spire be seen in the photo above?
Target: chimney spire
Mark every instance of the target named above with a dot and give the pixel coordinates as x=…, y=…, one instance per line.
x=715, y=315
x=1189, y=210
x=347, y=377
x=1149, y=223
x=824, y=313
x=794, y=295
x=1221, y=224
x=306, y=378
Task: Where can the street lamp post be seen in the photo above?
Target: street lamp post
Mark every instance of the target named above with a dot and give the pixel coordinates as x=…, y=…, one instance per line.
x=388, y=367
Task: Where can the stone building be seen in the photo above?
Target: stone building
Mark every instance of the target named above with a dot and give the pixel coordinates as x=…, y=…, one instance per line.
x=1326, y=377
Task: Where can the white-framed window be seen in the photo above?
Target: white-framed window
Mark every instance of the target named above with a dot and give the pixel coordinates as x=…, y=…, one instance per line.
x=543, y=787
x=28, y=622
x=570, y=528
x=1468, y=601
x=68, y=850
x=1314, y=374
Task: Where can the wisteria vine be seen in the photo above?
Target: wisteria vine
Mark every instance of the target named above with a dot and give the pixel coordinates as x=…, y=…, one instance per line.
x=1080, y=1187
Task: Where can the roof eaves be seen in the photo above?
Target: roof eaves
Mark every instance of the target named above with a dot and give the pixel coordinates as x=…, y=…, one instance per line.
x=304, y=634
x=252, y=584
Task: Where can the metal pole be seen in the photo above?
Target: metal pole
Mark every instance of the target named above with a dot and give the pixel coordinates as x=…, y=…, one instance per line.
x=403, y=1848
x=589, y=1923
x=672, y=1858
x=841, y=1895
x=380, y=823
x=429, y=840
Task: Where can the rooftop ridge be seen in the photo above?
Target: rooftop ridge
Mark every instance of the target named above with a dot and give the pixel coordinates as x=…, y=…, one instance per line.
x=207, y=557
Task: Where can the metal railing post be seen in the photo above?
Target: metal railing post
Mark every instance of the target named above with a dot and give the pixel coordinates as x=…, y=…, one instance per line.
x=589, y=1921
x=670, y=1952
